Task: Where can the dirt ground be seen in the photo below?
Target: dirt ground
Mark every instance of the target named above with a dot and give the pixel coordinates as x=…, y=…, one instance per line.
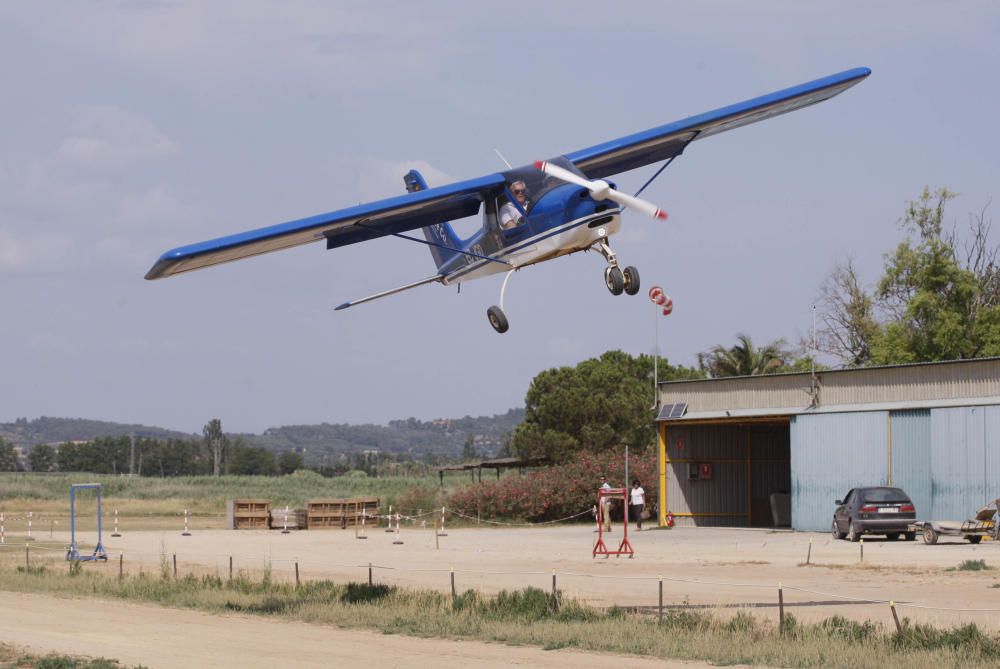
x=162, y=637
x=709, y=568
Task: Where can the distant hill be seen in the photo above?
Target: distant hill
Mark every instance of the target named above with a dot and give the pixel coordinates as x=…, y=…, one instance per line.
x=445, y=436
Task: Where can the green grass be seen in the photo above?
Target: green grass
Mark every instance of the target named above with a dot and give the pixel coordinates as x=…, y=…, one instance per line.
x=529, y=617
x=13, y=657
x=973, y=565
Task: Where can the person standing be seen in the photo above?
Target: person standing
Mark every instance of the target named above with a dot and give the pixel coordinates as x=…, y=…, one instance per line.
x=606, y=505
x=638, y=503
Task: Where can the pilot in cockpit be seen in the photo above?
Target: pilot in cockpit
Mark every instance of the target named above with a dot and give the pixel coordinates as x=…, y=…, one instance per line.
x=510, y=217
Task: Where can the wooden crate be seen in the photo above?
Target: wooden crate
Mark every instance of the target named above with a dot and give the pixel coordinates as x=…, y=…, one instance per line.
x=250, y=514
x=342, y=513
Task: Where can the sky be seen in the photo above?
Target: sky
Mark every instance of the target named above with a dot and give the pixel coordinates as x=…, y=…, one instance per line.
x=129, y=128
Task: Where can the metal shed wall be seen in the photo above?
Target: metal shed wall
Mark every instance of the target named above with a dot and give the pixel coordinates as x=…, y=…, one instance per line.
x=964, y=448
x=830, y=454
x=910, y=457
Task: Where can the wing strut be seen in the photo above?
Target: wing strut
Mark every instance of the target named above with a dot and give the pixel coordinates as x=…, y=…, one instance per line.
x=392, y=291
x=669, y=160
x=430, y=243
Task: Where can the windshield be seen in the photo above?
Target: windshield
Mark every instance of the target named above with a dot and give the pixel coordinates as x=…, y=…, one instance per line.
x=535, y=182
x=886, y=495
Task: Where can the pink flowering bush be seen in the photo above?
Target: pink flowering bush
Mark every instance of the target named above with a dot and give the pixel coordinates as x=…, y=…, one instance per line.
x=556, y=492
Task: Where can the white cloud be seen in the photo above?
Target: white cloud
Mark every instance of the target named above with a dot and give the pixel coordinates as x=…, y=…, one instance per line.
x=29, y=252
x=111, y=137
x=154, y=205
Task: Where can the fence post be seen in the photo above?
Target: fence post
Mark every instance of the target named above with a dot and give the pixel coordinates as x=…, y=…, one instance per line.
x=555, y=596
x=862, y=540
x=230, y=567
x=781, y=610
x=661, y=599
x=2, y=540
x=27, y=559
x=175, y=565
x=454, y=594
x=370, y=575
x=892, y=607
x=121, y=566
x=297, y=581
x=809, y=554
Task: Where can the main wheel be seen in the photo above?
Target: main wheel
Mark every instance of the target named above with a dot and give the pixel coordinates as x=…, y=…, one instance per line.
x=835, y=531
x=497, y=319
x=631, y=275
x=975, y=538
x=892, y=536
x=930, y=535
x=852, y=532
x=909, y=536
x=614, y=280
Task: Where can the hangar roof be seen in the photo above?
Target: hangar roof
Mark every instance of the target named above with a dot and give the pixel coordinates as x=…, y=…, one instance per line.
x=914, y=386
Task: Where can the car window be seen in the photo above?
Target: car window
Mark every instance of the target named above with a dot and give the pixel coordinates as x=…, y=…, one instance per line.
x=848, y=496
x=885, y=495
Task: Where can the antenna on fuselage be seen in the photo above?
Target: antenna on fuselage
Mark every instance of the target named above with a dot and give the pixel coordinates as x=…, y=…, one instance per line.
x=509, y=166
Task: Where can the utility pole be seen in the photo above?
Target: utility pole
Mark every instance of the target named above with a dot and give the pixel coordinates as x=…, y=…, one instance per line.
x=131, y=454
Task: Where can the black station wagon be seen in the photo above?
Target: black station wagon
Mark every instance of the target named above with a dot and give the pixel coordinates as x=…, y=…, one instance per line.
x=876, y=510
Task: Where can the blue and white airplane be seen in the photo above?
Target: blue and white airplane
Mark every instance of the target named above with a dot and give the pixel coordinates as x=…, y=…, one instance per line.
x=530, y=214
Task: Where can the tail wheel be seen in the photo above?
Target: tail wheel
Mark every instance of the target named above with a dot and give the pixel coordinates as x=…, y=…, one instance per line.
x=614, y=280
x=631, y=275
x=497, y=319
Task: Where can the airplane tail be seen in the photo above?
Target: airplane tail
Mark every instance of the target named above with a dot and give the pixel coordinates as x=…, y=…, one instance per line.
x=439, y=233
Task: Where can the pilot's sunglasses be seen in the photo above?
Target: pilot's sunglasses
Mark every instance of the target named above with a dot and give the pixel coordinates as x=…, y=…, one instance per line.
x=519, y=192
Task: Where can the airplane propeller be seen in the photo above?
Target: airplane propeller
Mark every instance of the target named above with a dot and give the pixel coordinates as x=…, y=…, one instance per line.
x=602, y=190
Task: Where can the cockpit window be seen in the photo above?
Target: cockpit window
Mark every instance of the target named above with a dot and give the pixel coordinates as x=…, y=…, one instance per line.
x=535, y=183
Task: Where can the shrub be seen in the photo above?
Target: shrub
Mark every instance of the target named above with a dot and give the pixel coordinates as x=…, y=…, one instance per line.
x=555, y=492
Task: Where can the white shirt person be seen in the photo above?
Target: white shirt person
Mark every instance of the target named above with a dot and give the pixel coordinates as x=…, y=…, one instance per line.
x=510, y=217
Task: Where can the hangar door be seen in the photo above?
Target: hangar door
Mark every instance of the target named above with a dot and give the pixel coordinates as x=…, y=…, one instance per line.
x=832, y=453
x=724, y=474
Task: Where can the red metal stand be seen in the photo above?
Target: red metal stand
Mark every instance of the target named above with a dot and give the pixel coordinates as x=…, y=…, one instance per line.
x=624, y=548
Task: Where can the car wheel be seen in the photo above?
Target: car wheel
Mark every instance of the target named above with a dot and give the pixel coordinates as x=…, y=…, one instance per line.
x=852, y=532
x=835, y=531
x=892, y=536
x=975, y=538
x=930, y=536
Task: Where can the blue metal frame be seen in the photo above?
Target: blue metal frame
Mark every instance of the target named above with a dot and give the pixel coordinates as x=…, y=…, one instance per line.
x=73, y=553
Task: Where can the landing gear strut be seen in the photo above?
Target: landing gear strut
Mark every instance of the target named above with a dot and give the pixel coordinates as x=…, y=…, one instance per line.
x=616, y=279
x=495, y=314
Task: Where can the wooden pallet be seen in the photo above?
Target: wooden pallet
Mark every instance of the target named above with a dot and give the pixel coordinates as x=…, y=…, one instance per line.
x=341, y=513
x=250, y=514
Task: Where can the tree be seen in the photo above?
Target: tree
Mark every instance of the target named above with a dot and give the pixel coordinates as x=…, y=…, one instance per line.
x=8, y=457
x=42, y=458
x=469, y=449
x=215, y=443
x=599, y=404
x=288, y=462
x=744, y=359
x=938, y=297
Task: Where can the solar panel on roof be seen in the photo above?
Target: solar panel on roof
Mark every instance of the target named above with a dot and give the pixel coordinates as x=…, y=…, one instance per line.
x=671, y=411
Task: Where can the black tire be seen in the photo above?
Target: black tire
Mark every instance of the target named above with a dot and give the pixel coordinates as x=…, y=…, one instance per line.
x=975, y=538
x=892, y=536
x=631, y=275
x=852, y=532
x=835, y=531
x=909, y=536
x=930, y=535
x=614, y=280
x=497, y=319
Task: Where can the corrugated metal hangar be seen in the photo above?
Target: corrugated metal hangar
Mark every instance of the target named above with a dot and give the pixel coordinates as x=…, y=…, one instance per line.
x=777, y=450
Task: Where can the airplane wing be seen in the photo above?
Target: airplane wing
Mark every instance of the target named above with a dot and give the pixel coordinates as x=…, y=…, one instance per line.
x=337, y=228
x=666, y=141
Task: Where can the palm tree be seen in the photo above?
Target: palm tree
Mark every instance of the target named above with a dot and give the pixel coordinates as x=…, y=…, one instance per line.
x=744, y=359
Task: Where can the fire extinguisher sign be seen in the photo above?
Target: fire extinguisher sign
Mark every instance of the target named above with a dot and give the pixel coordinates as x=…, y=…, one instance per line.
x=706, y=471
